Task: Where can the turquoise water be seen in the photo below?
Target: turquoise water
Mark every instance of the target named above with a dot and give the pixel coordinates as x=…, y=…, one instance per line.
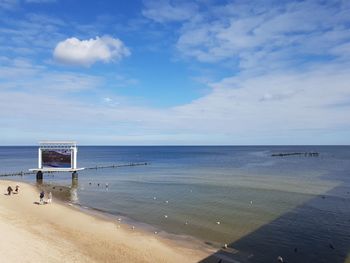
x=261, y=206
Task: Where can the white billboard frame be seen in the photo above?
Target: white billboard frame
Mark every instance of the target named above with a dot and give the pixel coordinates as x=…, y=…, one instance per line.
x=58, y=145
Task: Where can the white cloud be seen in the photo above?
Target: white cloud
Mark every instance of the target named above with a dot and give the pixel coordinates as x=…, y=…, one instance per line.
x=8, y=4
x=41, y=31
x=301, y=107
x=73, y=51
x=279, y=36
x=40, y=1
x=283, y=104
x=40, y=79
x=273, y=104
x=165, y=11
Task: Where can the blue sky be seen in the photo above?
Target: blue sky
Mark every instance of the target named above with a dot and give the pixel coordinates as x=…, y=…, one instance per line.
x=175, y=72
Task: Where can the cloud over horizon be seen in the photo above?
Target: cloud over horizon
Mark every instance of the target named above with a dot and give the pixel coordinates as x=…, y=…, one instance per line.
x=204, y=72
x=73, y=51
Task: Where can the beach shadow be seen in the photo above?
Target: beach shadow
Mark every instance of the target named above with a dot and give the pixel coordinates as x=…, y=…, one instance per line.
x=38, y=203
x=316, y=231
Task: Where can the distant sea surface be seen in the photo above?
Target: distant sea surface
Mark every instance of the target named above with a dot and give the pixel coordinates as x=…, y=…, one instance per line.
x=297, y=207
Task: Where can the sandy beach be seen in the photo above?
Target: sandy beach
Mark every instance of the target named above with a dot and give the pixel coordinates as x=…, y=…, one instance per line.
x=58, y=232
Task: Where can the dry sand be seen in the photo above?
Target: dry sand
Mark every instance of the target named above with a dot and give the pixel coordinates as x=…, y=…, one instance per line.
x=59, y=233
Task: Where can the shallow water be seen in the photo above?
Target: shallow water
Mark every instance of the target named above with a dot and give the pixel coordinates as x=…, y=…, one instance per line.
x=258, y=204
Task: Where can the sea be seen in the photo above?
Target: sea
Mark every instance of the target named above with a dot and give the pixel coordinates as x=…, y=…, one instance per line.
x=260, y=205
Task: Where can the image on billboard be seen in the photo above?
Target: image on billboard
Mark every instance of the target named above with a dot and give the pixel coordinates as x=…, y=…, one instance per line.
x=60, y=158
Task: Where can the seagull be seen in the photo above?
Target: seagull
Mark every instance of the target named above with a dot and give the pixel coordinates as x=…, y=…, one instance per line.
x=119, y=219
x=133, y=227
x=154, y=198
x=167, y=201
x=251, y=202
x=155, y=232
x=218, y=222
x=166, y=216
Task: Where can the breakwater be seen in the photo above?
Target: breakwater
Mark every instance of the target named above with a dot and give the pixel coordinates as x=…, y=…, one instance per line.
x=22, y=173
x=306, y=154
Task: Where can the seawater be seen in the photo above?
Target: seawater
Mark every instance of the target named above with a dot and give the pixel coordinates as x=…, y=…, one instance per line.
x=261, y=206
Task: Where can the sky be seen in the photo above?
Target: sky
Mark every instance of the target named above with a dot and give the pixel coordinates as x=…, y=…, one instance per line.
x=164, y=72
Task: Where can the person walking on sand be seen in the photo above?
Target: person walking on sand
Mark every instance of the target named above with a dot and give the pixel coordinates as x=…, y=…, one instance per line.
x=42, y=195
x=17, y=189
x=9, y=190
x=49, y=200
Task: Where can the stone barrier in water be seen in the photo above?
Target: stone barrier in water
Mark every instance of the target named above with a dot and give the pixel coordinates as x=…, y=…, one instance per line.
x=306, y=154
x=21, y=173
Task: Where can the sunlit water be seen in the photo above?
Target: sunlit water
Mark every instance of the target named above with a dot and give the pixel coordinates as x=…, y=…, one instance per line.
x=258, y=204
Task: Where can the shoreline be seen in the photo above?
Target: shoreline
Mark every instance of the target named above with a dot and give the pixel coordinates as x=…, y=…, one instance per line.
x=181, y=239
x=46, y=233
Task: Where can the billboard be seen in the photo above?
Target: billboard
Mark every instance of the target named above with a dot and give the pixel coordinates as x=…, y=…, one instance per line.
x=56, y=158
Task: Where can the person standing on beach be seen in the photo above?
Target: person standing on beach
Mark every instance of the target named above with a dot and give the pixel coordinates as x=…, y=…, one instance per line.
x=17, y=189
x=42, y=195
x=49, y=200
x=9, y=190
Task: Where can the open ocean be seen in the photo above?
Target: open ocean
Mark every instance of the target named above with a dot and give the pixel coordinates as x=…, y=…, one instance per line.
x=296, y=207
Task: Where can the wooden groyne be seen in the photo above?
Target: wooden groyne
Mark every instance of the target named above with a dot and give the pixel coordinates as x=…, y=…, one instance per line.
x=306, y=154
x=22, y=173
x=16, y=173
x=116, y=166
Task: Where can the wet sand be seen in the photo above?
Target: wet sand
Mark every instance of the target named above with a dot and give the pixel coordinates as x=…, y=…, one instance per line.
x=58, y=232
